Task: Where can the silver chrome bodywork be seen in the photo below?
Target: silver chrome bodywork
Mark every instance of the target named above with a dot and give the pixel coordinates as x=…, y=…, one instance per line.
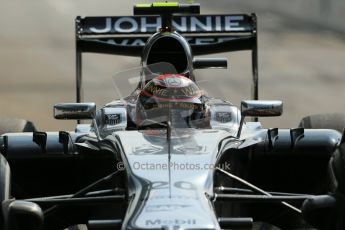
x=113, y=117
x=170, y=183
x=174, y=194
x=223, y=115
x=177, y=192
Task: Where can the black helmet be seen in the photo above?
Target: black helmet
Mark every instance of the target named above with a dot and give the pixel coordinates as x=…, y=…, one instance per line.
x=170, y=95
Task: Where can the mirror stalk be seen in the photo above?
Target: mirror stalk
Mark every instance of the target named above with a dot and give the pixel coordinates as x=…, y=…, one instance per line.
x=98, y=135
x=240, y=128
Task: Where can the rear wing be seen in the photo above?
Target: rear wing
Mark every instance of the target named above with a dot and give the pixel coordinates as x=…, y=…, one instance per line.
x=206, y=34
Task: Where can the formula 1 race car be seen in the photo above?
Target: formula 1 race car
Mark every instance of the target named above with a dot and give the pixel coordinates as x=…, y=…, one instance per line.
x=168, y=155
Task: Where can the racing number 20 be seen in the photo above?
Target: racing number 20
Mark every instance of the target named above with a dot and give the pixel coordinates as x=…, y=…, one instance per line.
x=178, y=184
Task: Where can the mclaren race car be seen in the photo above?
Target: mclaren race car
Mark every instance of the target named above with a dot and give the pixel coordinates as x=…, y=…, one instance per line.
x=168, y=155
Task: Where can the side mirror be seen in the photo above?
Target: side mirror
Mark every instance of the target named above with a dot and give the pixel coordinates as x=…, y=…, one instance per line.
x=75, y=111
x=22, y=215
x=258, y=108
x=261, y=108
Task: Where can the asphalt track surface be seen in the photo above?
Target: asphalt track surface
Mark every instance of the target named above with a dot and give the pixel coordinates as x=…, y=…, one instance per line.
x=299, y=63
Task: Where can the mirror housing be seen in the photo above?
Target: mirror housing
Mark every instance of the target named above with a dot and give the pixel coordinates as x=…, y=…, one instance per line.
x=261, y=108
x=75, y=111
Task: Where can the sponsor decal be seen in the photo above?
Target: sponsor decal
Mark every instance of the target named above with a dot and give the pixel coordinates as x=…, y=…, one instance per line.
x=112, y=119
x=154, y=90
x=140, y=41
x=189, y=91
x=165, y=207
x=223, y=117
x=173, y=81
x=77, y=109
x=170, y=222
x=151, y=24
x=192, y=149
x=154, y=132
x=174, y=105
x=171, y=86
x=147, y=150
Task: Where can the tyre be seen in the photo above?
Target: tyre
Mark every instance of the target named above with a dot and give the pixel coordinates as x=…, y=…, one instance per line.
x=337, y=170
x=337, y=179
x=324, y=121
x=5, y=177
x=13, y=125
x=333, y=217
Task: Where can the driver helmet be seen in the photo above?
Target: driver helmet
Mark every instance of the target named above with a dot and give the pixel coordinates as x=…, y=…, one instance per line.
x=171, y=97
